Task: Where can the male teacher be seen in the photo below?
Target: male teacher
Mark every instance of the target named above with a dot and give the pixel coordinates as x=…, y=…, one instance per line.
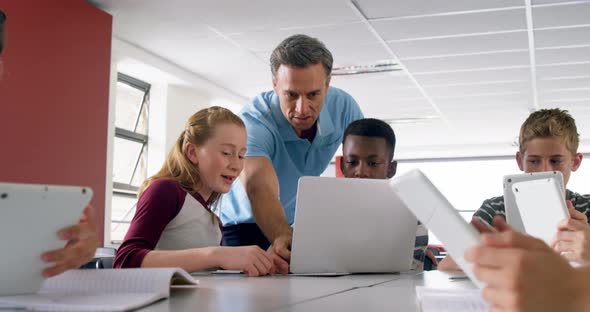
x=293, y=131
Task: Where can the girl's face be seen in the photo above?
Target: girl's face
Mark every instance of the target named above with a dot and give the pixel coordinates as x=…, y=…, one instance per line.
x=221, y=159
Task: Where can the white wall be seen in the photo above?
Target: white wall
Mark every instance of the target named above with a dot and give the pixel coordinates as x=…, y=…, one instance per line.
x=175, y=95
x=182, y=103
x=157, y=127
x=110, y=149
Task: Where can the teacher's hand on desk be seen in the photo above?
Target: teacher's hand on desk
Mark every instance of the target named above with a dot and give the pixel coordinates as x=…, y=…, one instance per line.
x=82, y=241
x=522, y=273
x=280, y=250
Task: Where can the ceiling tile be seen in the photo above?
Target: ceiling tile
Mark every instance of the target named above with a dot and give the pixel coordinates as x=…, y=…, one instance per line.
x=546, y=85
x=379, y=81
x=582, y=94
x=468, y=90
x=205, y=56
x=229, y=16
x=463, y=115
x=397, y=109
x=451, y=25
x=360, y=54
x=540, y=2
x=333, y=36
x=397, y=8
x=562, y=37
x=506, y=102
x=453, y=63
x=130, y=17
x=574, y=70
x=563, y=55
x=561, y=15
x=579, y=109
x=460, y=45
x=477, y=76
x=377, y=89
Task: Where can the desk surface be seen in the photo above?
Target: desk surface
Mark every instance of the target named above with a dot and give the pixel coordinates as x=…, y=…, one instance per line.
x=392, y=292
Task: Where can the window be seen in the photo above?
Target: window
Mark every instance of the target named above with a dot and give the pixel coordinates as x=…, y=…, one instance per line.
x=467, y=182
x=130, y=151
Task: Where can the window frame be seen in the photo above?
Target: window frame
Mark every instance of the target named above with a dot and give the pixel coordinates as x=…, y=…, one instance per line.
x=127, y=189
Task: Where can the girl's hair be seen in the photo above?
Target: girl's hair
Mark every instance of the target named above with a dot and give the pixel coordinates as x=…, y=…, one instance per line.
x=198, y=129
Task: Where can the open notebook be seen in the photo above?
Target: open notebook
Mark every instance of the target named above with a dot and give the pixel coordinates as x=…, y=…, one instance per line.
x=102, y=290
x=450, y=300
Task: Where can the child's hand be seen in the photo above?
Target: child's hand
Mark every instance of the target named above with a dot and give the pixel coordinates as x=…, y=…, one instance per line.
x=82, y=243
x=251, y=260
x=573, y=237
x=431, y=256
x=517, y=270
x=482, y=227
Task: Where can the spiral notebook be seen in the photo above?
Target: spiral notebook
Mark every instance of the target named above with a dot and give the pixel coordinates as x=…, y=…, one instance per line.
x=102, y=290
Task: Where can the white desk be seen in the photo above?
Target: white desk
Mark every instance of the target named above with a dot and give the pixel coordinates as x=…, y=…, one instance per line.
x=396, y=295
x=284, y=293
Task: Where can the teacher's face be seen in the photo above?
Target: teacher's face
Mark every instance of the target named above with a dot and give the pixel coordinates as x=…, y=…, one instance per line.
x=301, y=92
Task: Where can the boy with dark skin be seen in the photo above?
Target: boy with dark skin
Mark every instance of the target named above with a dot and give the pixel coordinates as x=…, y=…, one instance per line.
x=368, y=146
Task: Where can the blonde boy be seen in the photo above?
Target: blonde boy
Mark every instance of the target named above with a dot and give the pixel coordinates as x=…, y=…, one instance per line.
x=549, y=141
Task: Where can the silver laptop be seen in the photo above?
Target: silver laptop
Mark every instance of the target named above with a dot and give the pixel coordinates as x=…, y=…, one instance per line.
x=30, y=216
x=350, y=226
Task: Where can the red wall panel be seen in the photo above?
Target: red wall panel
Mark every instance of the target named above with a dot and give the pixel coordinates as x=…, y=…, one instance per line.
x=338, y=165
x=54, y=93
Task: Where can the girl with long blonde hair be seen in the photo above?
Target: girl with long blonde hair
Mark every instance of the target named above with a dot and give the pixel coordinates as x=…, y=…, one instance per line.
x=173, y=225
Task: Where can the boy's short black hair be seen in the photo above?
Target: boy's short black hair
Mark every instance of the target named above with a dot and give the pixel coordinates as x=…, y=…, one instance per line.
x=375, y=128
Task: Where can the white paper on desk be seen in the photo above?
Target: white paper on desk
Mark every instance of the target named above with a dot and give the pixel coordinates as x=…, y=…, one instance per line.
x=102, y=290
x=451, y=300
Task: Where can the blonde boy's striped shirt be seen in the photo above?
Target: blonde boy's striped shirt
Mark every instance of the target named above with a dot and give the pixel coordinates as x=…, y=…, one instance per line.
x=495, y=206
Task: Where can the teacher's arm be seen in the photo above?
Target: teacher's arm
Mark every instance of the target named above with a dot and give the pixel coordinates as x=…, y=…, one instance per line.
x=262, y=186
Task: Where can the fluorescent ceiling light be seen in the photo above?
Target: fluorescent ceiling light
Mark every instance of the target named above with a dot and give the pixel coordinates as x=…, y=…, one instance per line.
x=379, y=67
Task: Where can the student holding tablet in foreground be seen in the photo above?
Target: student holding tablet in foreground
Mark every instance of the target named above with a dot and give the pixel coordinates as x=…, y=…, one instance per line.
x=523, y=273
x=549, y=142
x=82, y=238
x=173, y=225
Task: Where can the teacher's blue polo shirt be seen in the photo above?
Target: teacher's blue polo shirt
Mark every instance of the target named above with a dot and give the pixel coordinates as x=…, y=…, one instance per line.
x=270, y=135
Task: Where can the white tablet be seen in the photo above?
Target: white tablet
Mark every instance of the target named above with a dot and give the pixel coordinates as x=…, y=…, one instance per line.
x=30, y=216
x=512, y=213
x=541, y=204
x=432, y=209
